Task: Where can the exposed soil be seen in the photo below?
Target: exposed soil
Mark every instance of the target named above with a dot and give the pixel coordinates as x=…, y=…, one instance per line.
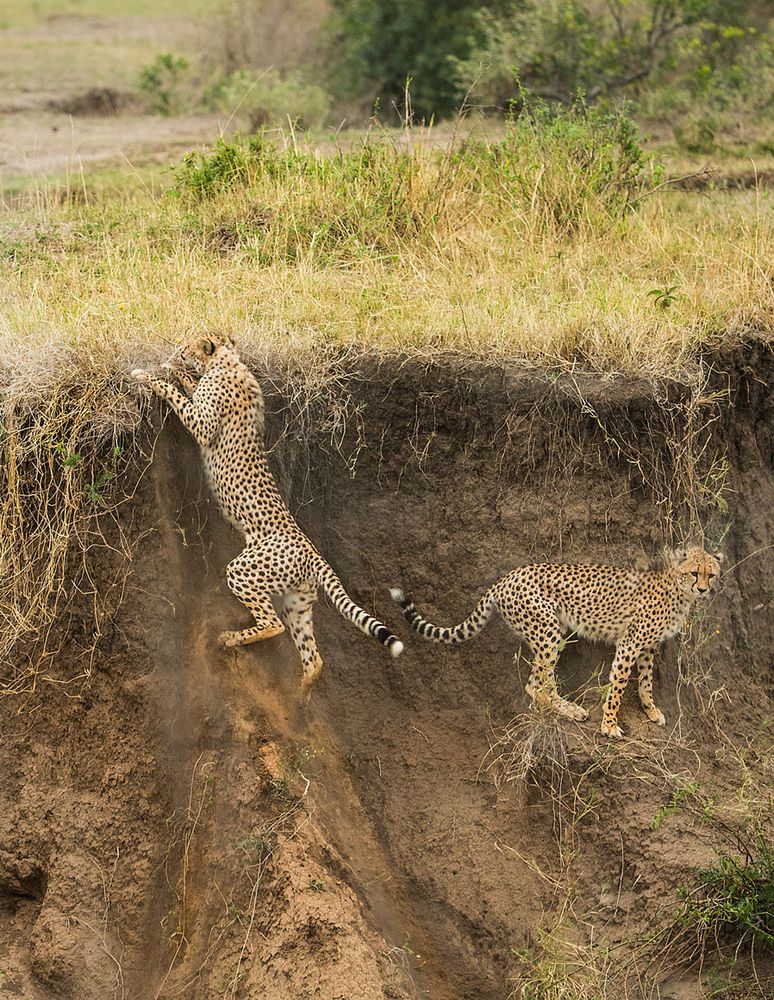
x=178, y=824
x=97, y=101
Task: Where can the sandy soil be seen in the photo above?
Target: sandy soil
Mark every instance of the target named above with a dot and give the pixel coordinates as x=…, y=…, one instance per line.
x=180, y=825
x=43, y=144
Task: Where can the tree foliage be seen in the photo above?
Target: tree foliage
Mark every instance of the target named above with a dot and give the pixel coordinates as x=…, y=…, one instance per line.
x=561, y=47
x=381, y=45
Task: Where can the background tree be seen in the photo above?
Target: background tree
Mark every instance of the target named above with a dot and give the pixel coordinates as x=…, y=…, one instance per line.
x=560, y=47
x=379, y=45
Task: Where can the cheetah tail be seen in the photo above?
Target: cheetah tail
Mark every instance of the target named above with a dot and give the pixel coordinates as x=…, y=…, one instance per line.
x=348, y=609
x=468, y=629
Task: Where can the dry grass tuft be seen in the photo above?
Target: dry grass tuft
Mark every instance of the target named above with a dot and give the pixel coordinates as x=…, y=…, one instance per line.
x=567, y=765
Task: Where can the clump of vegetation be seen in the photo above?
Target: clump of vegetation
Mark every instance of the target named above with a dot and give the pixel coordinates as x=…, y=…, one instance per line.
x=556, y=170
x=419, y=41
x=569, y=167
x=59, y=463
x=731, y=902
x=269, y=98
x=160, y=83
x=203, y=173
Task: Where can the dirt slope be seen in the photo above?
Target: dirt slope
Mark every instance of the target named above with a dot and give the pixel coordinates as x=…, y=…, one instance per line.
x=177, y=824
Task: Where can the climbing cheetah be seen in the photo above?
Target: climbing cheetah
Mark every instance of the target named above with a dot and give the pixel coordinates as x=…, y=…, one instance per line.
x=634, y=609
x=222, y=407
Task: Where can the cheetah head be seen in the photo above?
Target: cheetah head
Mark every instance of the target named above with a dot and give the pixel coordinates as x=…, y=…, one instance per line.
x=199, y=352
x=698, y=571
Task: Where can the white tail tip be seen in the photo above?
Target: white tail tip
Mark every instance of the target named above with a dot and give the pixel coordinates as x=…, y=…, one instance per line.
x=396, y=648
x=398, y=596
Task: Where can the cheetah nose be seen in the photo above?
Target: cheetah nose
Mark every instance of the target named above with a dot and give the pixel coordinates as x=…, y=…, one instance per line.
x=702, y=590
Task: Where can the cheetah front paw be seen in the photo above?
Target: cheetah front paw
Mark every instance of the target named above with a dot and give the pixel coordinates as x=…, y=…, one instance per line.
x=141, y=375
x=228, y=639
x=569, y=710
x=656, y=715
x=612, y=730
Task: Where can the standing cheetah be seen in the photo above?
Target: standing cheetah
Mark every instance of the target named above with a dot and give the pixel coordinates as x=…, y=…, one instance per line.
x=223, y=410
x=634, y=609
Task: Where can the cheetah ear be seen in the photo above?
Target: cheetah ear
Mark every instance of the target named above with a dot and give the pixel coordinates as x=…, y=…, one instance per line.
x=719, y=557
x=681, y=555
x=208, y=347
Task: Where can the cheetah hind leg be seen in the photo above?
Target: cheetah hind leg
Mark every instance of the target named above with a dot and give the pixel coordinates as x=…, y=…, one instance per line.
x=240, y=575
x=297, y=610
x=542, y=689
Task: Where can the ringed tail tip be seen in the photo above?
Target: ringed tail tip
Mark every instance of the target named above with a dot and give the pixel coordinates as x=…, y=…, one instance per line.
x=396, y=648
x=397, y=595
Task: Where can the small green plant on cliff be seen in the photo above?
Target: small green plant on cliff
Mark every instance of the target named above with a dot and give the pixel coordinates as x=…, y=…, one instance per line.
x=731, y=902
x=681, y=795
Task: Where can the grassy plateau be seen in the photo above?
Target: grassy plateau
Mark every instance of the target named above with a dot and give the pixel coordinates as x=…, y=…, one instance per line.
x=557, y=246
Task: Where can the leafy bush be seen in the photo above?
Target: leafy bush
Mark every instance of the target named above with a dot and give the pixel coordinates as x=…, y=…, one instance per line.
x=160, y=82
x=381, y=46
x=559, y=47
x=732, y=901
x=269, y=98
x=227, y=164
x=722, y=80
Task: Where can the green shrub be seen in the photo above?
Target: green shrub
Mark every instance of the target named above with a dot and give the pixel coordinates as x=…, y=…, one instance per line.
x=732, y=901
x=558, y=47
x=697, y=133
x=381, y=46
x=203, y=173
x=567, y=167
x=268, y=98
x=160, y=83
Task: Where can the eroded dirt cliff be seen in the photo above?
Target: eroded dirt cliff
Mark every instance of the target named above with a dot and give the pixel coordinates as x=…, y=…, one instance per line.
x=175, y=822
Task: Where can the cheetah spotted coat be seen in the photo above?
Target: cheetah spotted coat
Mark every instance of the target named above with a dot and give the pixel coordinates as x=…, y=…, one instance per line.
x=223, y=410
x=544, y=603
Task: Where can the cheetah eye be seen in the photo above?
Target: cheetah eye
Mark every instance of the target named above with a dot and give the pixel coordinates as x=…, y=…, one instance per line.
x=695, y=574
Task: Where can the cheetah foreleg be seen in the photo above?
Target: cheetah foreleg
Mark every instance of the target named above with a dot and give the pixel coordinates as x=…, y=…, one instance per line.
x=200, y=419
x=645, y=687
x=620, y=671
x=186, y=380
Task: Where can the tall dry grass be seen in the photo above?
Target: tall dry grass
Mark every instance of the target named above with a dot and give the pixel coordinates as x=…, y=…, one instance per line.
x=495, y=251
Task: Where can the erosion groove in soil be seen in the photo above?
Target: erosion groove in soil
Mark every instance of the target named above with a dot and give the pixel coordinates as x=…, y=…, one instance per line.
x=181, y=826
